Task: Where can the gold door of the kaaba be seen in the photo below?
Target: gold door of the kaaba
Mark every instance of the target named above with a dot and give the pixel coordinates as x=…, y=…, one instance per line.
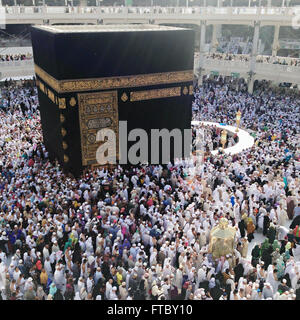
x=96, y=111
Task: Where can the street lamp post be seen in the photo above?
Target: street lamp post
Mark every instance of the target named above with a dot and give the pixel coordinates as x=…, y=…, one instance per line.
x=238, y=120
x=223, y=138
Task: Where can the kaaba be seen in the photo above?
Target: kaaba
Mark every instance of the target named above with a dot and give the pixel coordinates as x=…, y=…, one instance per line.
x=91, y=77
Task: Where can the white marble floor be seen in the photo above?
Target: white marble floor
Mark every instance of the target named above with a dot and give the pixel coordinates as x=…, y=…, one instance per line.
x=246, y=141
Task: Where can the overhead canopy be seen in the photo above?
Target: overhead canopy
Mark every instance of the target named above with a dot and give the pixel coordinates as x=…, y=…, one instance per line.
x=222, y=239
x=223, y=233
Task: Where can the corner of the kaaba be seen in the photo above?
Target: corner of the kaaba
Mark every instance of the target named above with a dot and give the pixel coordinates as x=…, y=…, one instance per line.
x=59, y=115
x=50, y=125
x=60, y=133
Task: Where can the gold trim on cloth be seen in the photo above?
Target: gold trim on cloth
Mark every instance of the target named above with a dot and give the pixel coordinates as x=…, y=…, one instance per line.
x=97, y=111
x=46, y=77
x=155, y=94
x=51, y=96
x=185, y=91
x=42, y=87
x=65, y=145
x=124, y=97
x=191, y=89
x=141, y=80
x=63, y=132
x=62, y=118
x=72, y=102
x=62, y=103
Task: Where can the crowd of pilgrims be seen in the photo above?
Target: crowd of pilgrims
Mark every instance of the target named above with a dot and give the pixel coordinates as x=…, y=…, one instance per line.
x=288, y=61
x=15, y=57
x=131, y=233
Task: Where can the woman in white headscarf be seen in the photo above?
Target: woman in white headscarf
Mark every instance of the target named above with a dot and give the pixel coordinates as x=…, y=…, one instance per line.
x=260, y=222
x=77, y=296
x=272, y=279
x=154, y=289
x=178, y=279
x=84, y=269
x=113, y=294
x=210, y=273
x=33, y=254
x=89, y=247
x=282, y=215
x=3, y=269
x=40, y=294
x=28, y=283
x=212, y=283
x=153, y=260
x=80, y=284
x=16, y=273
x=83, y=294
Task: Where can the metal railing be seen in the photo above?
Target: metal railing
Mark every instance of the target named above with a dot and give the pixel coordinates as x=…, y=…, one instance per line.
x=152, y=10
x=245, y=58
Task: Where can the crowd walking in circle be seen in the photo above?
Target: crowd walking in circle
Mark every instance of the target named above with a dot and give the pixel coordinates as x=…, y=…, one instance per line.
x=134, y=233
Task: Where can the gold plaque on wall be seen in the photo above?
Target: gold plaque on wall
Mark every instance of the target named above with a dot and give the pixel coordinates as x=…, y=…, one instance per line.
x=124, y=97
x=155, y=94
x=62, y=103
x=51, y=96
x=73, y=102
x=96, y=111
